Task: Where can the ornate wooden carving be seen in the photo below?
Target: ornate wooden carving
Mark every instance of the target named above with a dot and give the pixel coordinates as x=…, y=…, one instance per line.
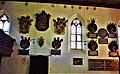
x=42, y=21
x=102, y=33
x=92, y=45
x=25, y=43
x=41, y=41
x=113, y=47
x=56, y=44
x=59, y=25
x=92, y=27
x=24, y=24
x=111, y=27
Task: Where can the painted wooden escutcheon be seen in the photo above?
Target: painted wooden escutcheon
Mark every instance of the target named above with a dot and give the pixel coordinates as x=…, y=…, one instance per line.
x=113, y=47
x=111, y=27
x=92, y=45
x=25, y=43
x=56, y=43
x=41, y=41
x=24, y=24
x=92, y=27
x=42, y=21
x=59, y=25
x=102, y=33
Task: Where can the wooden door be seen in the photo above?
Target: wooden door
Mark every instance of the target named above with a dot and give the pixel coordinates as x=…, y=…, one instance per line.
x=38, y=65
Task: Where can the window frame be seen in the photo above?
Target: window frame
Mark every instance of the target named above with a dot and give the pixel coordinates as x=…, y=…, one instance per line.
x=3, y=21
x=73, y=23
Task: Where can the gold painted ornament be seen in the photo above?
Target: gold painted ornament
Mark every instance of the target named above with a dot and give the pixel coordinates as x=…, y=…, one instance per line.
x=41, y=41
x=59, y=25
x=24, y=24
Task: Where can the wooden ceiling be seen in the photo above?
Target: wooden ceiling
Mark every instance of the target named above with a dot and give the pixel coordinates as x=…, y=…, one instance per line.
x=97, y=3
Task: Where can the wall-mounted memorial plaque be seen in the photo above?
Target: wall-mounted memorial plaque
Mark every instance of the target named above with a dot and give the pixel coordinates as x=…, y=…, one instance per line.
x=92, y=53
x=102, y=33
x=55, y=52
x=111, y=27
x=113, y=47
x=24, y=44
x=92, y=45
x=95, y=65
x=110, y=35
x=77, y=61
x=92, y=27
x=103, y=41
x=24, y=24
x=42, y=21
x=103, y=64
x=40, y=41
x=59, y=25
x=92, y=35
x=56, y=44
x=111, y=65
x=113, y=54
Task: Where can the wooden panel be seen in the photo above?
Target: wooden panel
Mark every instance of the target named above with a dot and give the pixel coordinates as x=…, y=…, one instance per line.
x=98, y=3
x=103, y=65
x=38, y=65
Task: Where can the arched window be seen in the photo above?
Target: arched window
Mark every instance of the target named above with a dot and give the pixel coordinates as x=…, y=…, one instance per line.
x=76, y=34
x=5, y=23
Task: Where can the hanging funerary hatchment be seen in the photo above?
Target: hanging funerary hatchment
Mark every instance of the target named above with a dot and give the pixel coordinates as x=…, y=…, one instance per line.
x=41, y=41
x=113, y=47
x=111, y=27
x=56, y=44
x=92, y=45
x=102, y=34
x=24, y=24
x=92, y=27
x=59, y=26
x=24, y=44
x=42, y=21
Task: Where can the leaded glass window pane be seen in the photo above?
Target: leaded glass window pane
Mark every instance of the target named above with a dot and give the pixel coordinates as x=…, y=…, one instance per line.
x=5, y=23
x=76, y=34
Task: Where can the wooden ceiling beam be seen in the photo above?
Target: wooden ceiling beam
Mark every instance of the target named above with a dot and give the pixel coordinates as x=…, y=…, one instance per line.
x=97, y=3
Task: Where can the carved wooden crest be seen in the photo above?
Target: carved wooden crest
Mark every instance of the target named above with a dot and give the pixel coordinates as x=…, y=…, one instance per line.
x=111, y=27
x=102, y=33
x=92, y=27
x=92, y=45
x=24, y=24
x=25, y=43
x=113, y=46
x=41, y=41
x=59, y=25
x=42, y=21
x=56, y=43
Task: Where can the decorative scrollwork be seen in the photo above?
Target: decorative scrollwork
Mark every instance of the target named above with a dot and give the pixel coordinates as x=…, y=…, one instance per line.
x=59, y=25
x=24, y=24
x=42, y=21
x=24, y=61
